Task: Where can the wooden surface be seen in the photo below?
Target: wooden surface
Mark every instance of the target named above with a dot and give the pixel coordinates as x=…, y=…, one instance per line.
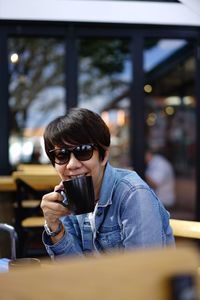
x=39, y=180
x=183, y=228
x=33, y=222
x=135, y=275
x=7, y=184
x=35, y=167
x=42, y=180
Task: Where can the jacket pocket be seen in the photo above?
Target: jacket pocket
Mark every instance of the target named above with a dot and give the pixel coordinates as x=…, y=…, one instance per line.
x=109, y=237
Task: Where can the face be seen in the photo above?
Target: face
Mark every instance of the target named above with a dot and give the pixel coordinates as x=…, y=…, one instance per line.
x=93, y=167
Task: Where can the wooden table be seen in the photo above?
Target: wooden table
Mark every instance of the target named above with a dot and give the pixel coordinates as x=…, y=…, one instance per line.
x=35, y=167
x=39, y=181
x=7, y=184
x=143, y=274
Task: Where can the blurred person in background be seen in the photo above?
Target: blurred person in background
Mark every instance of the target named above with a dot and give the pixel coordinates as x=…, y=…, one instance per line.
x=127, y=214
x=160, y=176
x=36, y=154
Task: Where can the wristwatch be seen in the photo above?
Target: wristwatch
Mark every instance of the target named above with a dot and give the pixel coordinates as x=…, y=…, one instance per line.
x=53, y=233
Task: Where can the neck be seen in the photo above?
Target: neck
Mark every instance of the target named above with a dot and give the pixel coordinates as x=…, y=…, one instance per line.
x=99, y=183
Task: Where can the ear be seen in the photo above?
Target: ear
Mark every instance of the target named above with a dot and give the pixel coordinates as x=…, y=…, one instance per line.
x=106, y=156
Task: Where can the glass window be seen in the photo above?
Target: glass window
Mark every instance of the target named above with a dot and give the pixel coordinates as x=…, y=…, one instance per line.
x=37, y=94
x=170, y=103
x=103, y=84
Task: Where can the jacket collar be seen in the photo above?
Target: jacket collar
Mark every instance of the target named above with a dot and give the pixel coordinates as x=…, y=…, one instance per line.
x=107, y=186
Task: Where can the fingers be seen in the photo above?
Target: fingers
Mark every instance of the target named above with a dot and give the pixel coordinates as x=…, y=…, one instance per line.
x=51, y=199
x=51, y=207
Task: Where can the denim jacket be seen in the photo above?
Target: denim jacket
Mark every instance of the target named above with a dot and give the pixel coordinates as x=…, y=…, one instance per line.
x=129, y=215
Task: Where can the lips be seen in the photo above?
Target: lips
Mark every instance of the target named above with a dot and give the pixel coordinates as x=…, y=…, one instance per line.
x=77, y=175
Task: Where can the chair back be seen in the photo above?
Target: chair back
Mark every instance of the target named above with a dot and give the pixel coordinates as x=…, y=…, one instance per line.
x=185, y=229
x=13, y=237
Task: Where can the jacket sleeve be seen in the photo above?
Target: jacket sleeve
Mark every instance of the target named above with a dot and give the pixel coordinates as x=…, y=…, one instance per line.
x=69, y=245
x=144, y=220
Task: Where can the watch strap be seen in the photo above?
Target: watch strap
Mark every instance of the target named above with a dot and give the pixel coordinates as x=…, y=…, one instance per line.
x=53, y=233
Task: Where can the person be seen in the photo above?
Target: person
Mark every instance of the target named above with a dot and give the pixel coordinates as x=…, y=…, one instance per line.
x=128, y=215
x=160, y=176
x=36, y=154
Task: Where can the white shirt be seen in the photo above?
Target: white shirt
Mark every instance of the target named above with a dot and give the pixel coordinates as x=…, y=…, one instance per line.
x=161, y=172
x=91, y=217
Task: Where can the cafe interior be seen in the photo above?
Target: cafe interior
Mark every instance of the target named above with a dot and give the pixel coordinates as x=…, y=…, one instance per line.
x=141, y=72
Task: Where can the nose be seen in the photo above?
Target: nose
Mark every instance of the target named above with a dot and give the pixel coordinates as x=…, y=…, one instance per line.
x=73, y=162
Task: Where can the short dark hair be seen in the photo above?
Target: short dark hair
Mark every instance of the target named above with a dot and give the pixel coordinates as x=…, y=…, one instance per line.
x=78, y=126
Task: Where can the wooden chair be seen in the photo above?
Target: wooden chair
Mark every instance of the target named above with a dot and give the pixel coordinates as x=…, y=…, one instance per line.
x=28, y=219
x=12, y=235
x=31, y=186
x=185, y=229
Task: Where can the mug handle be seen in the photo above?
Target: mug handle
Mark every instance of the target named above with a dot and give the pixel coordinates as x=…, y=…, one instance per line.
x=64, y=202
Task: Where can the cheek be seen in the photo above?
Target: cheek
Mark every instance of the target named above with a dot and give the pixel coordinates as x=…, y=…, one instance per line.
x=96, y=171
x=59, y=169
x=94, y=165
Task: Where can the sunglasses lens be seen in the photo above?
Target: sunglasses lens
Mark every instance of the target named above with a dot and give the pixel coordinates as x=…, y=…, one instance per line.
x=83, y=152
x=61, y=156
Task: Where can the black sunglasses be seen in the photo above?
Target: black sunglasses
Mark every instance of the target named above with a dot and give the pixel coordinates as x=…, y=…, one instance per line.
x=61, y=156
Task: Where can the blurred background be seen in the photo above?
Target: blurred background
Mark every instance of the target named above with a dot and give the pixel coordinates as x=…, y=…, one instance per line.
x=139, y=69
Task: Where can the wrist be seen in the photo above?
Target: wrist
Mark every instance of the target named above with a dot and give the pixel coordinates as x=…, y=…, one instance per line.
x=53, y=230
x=59, y=236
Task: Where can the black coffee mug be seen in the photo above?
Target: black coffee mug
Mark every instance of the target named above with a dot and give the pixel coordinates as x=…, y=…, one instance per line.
x=80, y=194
